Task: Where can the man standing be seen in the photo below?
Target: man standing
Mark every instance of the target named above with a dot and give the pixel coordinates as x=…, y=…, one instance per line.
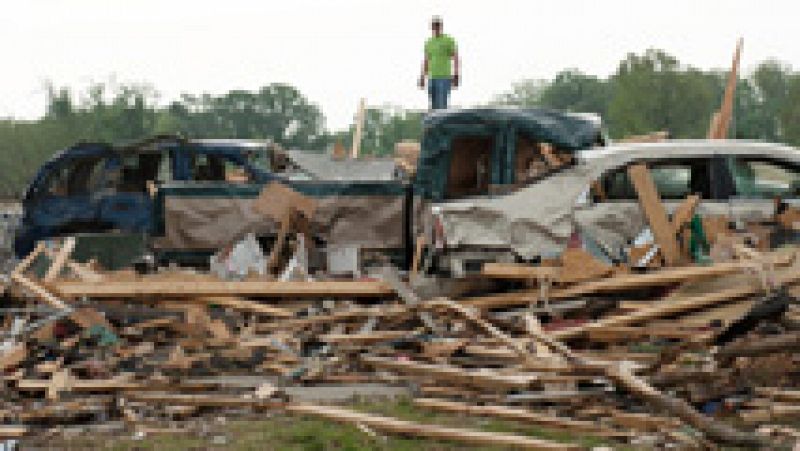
x=440, y=51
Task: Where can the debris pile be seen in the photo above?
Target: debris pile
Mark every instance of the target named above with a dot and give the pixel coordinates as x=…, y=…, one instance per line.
x=671, y=355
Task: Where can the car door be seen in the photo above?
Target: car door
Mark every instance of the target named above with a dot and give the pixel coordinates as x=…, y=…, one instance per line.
x=61, y=202
x=761, y=184
x=126, y=200
x=611, y=218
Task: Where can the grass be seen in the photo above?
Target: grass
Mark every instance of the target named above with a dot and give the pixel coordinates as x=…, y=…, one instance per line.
x=281, y=432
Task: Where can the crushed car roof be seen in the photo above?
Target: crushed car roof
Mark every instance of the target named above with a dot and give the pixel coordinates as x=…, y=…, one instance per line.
x=567, y=131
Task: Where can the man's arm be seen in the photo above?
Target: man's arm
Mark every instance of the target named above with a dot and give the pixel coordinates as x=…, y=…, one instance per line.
x=455, y=69
x=424, y=72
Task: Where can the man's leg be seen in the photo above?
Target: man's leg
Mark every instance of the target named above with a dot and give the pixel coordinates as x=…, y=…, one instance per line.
x=444, y=92
x=432, y=94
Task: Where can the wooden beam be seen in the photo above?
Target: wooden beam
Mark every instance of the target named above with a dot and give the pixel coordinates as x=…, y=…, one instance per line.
x=8, y=431
x=367, y=337
x=515, y=414
x=177, y=288
x=417, y=259
x=395, y=426
x=519, y=271
x=360, y=117
x=655, y=213
x=244, y=305
x=453, y=374
x=659, y=310
x=39, y=291
x=60, y=259
x=721, y=120
x=622, y=282
x=180, y=399
x=28, y=260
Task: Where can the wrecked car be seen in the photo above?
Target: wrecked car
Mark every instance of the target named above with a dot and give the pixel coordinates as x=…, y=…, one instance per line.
x=96, y=187
x=594, y=204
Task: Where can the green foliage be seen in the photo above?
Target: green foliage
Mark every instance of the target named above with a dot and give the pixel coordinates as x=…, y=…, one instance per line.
x=652, y=91
x=278, y=112
x=119, y=114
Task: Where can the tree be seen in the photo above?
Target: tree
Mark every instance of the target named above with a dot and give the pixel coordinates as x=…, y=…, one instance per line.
x=572, y=90
x=525, y=93
x=653, y=92
x=278, y=112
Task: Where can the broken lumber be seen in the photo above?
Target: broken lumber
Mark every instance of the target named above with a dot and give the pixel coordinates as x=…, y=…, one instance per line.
x=243, y=305
x=515, y=414
x=453, y=374
x=622, y=282
x=60, y=259
x=622, y=376
x=672, y=307
x=655, y=213
x=39, y=291
x=175, y=288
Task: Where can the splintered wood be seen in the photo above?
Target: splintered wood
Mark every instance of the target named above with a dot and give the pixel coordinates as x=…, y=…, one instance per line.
x=628, y=358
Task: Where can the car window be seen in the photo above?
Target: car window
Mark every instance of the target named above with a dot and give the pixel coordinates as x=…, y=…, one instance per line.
x=137, y=170
x=763, y=178
x=673, y=180
x=219, y=168
x=72, y=178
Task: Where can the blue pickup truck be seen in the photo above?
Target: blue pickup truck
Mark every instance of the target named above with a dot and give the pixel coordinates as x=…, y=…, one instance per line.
x=96, y=187
x=195, y=196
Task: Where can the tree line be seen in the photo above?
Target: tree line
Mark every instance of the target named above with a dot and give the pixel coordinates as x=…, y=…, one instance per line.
x=650, y=91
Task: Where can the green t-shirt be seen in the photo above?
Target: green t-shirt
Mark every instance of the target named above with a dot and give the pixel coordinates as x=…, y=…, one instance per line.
x=439, y=50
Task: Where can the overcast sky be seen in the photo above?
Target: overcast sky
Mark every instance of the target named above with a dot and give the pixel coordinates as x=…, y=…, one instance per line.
x=338, y=51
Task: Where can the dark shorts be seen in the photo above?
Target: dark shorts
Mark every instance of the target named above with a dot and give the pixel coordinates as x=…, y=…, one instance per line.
x=439, y=92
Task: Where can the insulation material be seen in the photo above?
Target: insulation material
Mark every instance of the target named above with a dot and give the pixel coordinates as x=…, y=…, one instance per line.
x=536, y=220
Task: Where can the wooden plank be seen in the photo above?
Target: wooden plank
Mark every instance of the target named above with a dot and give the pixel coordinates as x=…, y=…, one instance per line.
x=244, y=305
x=28, y=260
x=623, y=377
x=659, y=310
x=721, y=120
x=201, y=400
x=39, y=291
x=518, y=271
x=393, y=425
x=360, y=117
x=415, y=262
x=177, y=288
x=655, y=213
x=10, y=431
x=515, y=414
x=60, y=259
x=453, y=374
x=367, y=337
x=667, y=276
